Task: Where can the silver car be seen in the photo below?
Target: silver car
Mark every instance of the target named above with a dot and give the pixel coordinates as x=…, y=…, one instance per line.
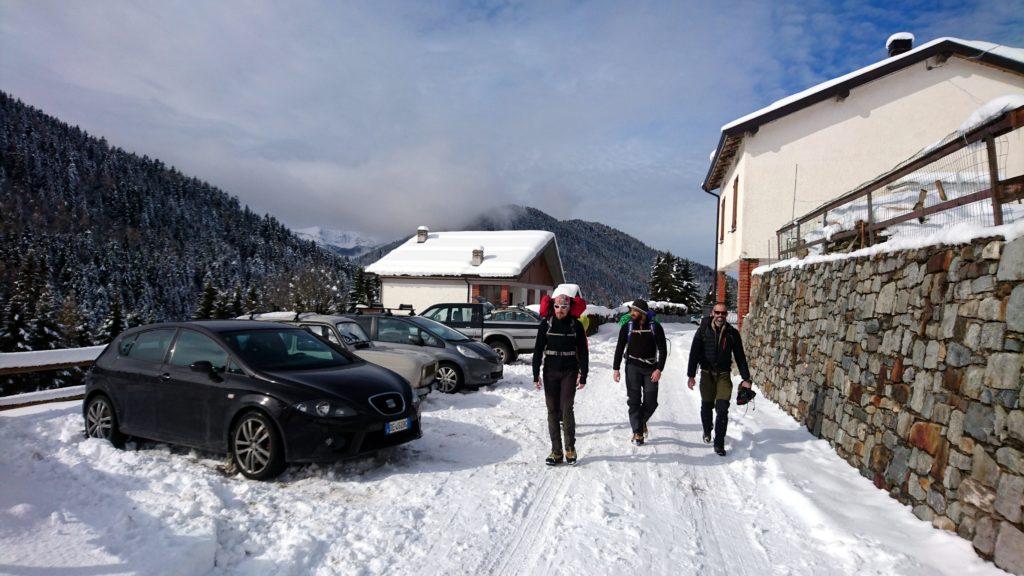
x=419, y=369
x=508, y=331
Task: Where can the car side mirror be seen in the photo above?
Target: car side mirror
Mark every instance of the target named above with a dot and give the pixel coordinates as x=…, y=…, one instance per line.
x=415, y=339
x=206, y=367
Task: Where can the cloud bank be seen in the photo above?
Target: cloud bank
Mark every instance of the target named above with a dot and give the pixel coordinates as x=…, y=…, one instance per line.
x=380, y=116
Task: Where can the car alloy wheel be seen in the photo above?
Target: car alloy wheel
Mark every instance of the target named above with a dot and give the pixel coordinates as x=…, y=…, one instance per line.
x=447, y=379
x=99, y=419
x=256, y=447
x=101, y=422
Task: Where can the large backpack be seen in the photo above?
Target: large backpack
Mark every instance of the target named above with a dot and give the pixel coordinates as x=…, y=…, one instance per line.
x=652, y=319
x=577, y=306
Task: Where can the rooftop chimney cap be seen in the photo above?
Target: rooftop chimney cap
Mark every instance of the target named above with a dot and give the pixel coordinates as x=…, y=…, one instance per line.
x=478, y=256
x=899, y=43
x=421, y=234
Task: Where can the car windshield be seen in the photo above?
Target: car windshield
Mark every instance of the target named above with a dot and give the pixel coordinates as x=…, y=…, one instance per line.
x=352, y=332
x=283, y=350
x=440, y=330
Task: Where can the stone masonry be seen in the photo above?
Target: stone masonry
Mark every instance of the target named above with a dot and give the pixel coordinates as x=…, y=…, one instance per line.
x=909, y=364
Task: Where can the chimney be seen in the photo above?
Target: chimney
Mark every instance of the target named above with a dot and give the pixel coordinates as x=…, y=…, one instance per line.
x=478, y=256
x=899, y=43
x=421, y=234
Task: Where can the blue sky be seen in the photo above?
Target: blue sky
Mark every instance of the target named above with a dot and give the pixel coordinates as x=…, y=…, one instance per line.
x=381, y=116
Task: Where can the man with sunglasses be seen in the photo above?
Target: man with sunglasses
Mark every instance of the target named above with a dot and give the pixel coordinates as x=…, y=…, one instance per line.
x=715, y=344
x=562, y=349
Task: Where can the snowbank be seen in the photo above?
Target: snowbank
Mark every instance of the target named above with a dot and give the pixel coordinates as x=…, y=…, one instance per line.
x=957, y=234
x=471, y=497
x=41, y=396
x=41, y=358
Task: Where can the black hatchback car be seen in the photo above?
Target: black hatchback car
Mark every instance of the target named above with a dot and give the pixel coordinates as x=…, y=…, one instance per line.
x=267, y=394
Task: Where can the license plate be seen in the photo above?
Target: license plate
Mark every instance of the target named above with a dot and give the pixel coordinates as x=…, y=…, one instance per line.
x=397, y=426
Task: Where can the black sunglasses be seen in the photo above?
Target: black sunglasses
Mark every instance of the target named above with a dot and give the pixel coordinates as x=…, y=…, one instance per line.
x=717, y=313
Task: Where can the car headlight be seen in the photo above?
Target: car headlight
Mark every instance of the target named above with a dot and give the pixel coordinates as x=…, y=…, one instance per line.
x=325, y=409
x=468, y=352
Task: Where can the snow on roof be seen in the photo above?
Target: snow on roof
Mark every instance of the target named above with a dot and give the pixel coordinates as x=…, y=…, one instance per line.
x=992, y=109
x=506, y=254
x=899, y=36
x=982, y=47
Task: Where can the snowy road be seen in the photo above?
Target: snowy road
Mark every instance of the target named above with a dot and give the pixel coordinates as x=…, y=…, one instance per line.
x=471, y=497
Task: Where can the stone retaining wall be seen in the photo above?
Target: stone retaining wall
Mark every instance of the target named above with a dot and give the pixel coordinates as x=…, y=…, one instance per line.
x=909, y=364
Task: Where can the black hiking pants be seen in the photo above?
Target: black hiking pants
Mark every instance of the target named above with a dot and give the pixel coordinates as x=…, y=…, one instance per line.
x=641, y=396
x=715, y=392
x=560, y=394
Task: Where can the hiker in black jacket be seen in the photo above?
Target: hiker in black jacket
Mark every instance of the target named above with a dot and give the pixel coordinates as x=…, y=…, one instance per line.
x=642, y=341
x=562, y=348
x=715, y=344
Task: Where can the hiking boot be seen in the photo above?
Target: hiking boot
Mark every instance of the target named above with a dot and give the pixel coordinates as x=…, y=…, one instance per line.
x=647, y=432
x=638, y=439
x=720, y=450
x=570, y=456
x=707, y=438
x=553, y=459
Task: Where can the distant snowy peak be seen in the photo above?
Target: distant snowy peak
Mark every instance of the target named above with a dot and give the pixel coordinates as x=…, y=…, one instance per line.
x=350, y=244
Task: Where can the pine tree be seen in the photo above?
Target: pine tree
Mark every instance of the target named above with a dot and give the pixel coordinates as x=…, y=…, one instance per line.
x=73, y=327
x=235, y=310
x=655, y=288
x=358, y=295
x=252, y=301
x=661, y=284
x=730, y=296
x=206, y=302
x=685, y=286
x=112, y=325
x=15, y=319
x=43, y=330
x=222, y=307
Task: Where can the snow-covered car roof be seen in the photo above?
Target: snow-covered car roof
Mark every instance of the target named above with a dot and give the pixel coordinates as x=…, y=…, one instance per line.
x=507, y=253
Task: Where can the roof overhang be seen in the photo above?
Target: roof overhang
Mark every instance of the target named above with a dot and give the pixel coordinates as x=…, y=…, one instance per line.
x=732, y=135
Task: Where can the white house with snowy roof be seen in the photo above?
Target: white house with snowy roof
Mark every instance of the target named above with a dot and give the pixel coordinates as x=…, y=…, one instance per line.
x=504, y=267
x=783, y=160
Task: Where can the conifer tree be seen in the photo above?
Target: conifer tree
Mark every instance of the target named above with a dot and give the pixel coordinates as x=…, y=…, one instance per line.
x=686, y=290
x=252, y=301
x=112, y=325
x=206, y=302
x=235, y=310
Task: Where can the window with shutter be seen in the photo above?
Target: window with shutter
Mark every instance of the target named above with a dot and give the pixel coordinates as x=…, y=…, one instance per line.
x=735, y=200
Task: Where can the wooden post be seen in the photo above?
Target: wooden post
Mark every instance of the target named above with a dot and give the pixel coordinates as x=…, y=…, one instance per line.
x=941, y=189
x=993, y=177
x=871, y=220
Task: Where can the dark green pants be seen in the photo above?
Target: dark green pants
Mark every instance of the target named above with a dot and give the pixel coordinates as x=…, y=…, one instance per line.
x=715, y=393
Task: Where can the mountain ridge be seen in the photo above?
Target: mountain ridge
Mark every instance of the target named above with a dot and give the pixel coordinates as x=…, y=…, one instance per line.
x=616, y=266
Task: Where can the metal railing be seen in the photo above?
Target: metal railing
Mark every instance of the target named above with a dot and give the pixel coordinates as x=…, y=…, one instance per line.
x=956, y=180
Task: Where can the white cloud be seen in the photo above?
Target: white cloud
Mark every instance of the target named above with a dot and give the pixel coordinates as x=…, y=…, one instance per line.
x=381, y=116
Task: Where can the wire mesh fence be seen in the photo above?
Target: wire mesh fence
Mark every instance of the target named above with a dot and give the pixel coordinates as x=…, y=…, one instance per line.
x=970, y=177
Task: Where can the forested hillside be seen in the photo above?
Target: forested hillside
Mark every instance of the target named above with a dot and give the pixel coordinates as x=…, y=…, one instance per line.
x=94, y=238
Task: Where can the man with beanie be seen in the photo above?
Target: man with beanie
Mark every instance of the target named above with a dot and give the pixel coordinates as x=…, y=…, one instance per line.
x=642, y=342
x=714, y=346
x=562, y=349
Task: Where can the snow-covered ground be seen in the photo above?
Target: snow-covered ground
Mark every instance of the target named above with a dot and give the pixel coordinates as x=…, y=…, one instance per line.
x=471, y=497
